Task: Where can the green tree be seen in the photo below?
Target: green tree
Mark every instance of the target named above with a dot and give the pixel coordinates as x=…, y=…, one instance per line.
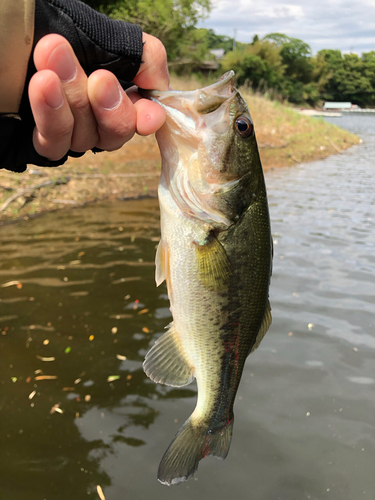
x=348, y=77
x=296, y=56
x=258, y=65
x=214, y=41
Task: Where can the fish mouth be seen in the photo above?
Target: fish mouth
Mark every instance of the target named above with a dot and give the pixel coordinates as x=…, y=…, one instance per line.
x=188, y=111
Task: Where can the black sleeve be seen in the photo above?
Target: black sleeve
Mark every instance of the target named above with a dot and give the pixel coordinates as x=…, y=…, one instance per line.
x=98, y=42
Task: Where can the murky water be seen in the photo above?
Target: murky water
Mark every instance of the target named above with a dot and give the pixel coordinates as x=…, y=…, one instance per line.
x=78, y=296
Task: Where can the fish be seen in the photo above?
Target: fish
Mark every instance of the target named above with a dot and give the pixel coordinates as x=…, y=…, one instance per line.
x=215, y=255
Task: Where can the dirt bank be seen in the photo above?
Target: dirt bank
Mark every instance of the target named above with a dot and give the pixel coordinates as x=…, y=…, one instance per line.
x=285, y=138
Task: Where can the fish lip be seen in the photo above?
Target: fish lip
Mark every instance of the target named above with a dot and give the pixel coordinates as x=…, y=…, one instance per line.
x=156, y=95
x=186, y=109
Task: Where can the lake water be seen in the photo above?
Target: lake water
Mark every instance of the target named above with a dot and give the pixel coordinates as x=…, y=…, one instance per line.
x=78, y=296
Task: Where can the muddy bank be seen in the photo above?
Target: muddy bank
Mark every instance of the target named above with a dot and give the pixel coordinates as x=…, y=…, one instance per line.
x=285, y=138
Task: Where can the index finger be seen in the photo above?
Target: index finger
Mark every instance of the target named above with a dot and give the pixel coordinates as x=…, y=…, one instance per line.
x=153, y=73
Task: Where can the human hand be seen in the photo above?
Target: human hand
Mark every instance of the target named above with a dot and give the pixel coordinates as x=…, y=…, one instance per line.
x=75, y=112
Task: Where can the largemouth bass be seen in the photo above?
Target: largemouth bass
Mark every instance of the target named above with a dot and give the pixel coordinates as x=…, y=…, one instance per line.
x=215, y=254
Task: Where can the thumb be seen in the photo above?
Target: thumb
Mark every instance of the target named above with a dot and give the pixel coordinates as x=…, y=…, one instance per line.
x=153, y=73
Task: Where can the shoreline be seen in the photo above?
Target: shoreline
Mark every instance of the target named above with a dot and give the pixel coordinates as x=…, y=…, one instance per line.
x=285, y=138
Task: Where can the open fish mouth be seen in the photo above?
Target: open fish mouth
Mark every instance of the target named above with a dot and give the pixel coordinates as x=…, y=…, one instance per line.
x=189, y=111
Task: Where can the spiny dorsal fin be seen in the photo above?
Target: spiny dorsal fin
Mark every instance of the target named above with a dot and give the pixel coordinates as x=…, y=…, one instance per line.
x=165, y=362
x=214, y=268
x=267, y=320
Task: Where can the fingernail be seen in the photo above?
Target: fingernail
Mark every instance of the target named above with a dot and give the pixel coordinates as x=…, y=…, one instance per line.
x=108, y=94
x=62, y=63
x=53, y=95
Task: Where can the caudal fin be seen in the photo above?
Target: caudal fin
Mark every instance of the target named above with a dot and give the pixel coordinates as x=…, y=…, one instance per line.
x=191, y=444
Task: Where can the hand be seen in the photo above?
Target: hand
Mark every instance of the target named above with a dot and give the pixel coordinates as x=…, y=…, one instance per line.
x=76, y=112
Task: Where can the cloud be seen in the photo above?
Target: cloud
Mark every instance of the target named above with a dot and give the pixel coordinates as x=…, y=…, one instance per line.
x=323, y=24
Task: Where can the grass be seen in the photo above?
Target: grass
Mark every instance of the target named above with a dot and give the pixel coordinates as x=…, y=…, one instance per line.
x=284, y=137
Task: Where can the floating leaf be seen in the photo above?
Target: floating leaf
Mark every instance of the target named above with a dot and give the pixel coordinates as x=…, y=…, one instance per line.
x=43, y=358
x=10, y=283
x=56, y=409
x=143, y=311
x=112, y=378
x=46, y=377
x=67, y=350
x=32, y=394
x=120, y=357
x=100, y=492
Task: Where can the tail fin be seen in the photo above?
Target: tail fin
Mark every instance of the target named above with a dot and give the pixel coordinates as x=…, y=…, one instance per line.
x=191, y=444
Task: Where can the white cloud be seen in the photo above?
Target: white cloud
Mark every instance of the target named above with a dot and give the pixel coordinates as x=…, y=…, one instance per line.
x=331, y=24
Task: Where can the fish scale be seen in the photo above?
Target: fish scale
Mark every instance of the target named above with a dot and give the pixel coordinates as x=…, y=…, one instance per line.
x=215, y=254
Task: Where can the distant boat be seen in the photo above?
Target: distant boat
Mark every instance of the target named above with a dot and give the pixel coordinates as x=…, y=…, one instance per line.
x=339, y=105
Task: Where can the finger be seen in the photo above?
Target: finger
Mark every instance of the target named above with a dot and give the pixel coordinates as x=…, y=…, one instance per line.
x=150, y=116
x=53, y=118
x=114, y=112
x=153, y=73
x=53, y=52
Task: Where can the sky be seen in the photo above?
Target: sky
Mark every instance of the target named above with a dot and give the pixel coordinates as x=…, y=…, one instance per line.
x=324, y=24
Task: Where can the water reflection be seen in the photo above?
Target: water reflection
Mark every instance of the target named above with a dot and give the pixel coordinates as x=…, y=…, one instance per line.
x=78, y=311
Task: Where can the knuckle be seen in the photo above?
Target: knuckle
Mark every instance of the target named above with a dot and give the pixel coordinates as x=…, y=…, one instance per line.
x=159, y=53
x=63, y=130
x=79, y=102
x=84, y=144
x=53, y=156
x=121, y=125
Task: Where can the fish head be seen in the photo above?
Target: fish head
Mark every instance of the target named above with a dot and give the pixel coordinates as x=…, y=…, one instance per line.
x=209, y=151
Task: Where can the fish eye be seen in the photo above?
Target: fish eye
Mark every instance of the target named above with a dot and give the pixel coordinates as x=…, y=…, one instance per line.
x=244, y=126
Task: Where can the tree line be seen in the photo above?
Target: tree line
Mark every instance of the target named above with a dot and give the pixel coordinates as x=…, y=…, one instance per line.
x=282, y=66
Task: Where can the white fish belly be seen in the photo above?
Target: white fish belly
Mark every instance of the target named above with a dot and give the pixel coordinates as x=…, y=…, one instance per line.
x=197, y=312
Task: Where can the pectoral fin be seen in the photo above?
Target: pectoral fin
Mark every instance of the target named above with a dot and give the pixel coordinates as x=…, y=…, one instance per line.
x=267, y=320
x=214, y=268
x=162, y=263
x=166, y=363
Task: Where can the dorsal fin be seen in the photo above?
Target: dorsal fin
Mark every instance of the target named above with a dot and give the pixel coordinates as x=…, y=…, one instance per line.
x=267, y=320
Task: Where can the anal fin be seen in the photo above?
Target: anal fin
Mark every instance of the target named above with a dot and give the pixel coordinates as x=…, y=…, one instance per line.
x=166, y=363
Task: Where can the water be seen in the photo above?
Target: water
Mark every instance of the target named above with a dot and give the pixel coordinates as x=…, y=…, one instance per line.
x=81, y=290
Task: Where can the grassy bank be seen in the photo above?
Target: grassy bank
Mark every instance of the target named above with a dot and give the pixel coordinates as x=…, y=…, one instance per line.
x=285, y=138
